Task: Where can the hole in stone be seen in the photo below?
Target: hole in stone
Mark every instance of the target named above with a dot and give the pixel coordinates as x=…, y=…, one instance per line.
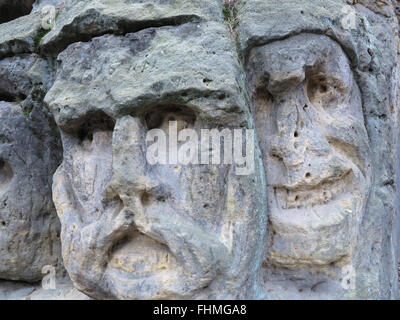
x=6, y=174
x=145, y=197
x=8, y=97
x=4, y=96
x=296, y=134
x=308, y=175
x=296, y=198
x=3, y=223
x=11, y=9
x=324, y=88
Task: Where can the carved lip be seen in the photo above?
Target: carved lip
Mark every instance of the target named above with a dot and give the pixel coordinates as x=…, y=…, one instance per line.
x=140, y=262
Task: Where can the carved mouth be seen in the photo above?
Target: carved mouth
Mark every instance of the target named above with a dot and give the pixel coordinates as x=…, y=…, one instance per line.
x=140, y=256
x=143, y=268
x=313, y=224
x=304, y=196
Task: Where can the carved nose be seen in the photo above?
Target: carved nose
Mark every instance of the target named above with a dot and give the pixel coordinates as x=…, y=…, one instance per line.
x=290, y=142
x=301, y=144
x=290, y=147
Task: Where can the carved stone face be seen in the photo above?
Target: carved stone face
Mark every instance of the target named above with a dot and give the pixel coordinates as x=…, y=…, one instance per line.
x=152, y=225
x=310, y=125
x=131, y=229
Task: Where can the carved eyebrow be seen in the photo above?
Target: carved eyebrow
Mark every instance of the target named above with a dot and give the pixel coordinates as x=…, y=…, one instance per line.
x=299, y=53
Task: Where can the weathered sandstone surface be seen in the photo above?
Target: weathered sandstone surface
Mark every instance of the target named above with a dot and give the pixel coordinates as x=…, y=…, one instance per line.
x=84, y=83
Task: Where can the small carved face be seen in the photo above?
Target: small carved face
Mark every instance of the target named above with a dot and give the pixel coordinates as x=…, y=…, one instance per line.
x=310, y=126
x=130, y=229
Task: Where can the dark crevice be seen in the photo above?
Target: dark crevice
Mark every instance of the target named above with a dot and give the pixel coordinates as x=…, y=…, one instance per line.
x=13, y=9
x=70, y=35
x=8, y=97
x=6, y=174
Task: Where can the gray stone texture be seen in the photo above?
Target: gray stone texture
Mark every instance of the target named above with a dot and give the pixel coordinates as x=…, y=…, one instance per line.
x=30, y=152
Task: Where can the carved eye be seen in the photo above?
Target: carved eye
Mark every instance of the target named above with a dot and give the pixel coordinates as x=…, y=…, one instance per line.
x=325, y=90
x=160, y=117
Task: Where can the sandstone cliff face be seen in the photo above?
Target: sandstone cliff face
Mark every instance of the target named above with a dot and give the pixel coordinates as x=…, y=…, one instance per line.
x=30, y=153
x=82, y=83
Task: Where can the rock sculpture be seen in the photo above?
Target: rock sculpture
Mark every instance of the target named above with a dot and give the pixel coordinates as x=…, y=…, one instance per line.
x=316, y=81
x=132, y=230
x=324, y=90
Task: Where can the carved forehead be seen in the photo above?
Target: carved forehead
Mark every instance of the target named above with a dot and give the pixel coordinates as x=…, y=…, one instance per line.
x=190, y=65
x=288, y=60
x=264, y=21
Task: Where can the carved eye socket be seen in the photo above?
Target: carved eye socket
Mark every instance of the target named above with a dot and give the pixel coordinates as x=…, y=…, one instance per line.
x=160, y=117
x=324, y=90
x=92, y=123
x=6, y=174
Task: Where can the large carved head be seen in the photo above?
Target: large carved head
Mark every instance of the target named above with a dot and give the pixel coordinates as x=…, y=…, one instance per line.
x=131, y=229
